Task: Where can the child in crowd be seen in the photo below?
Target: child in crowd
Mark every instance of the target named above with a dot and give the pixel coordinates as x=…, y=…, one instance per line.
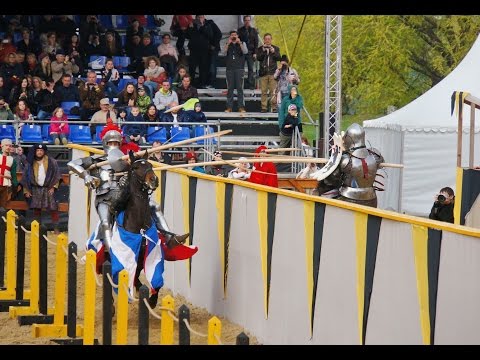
x=59, y=127
x=241, y=171
x=217, y=170
x=133, y=131
x=191, y=158
x=288, y=127
x=143, y=100
x=122, y=115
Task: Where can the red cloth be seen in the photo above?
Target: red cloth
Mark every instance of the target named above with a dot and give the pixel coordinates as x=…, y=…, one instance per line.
x=181, y=21
x=126, y=147
x=179, y=252
x=267, y=167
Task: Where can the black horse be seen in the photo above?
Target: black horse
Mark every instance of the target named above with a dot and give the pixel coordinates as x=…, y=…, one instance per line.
x=142, y=181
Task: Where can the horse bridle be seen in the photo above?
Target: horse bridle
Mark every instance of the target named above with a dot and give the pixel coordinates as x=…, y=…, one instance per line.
x=141, y=181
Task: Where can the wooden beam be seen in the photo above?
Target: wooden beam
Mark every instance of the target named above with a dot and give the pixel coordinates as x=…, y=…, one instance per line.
x=300, y=185
x=22, y=205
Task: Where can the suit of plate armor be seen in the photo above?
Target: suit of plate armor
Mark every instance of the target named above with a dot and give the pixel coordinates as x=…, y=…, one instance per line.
x=358, y=168
x=109, y=188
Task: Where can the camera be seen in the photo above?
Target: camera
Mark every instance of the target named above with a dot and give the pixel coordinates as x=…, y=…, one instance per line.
x=441, y=199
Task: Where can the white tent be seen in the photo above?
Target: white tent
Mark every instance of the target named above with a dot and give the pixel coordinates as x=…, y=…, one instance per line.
x=423, y=136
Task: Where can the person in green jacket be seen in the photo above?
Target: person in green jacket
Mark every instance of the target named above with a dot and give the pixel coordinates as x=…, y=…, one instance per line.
x=143, y=100
x=293, y=97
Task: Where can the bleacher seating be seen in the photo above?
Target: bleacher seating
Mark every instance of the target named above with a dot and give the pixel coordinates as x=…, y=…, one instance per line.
x=121, y=63
x=106, y=21
x=67, y=106
x=80, y=134
x=7, y=132
x=98, y=130
x=150, y=22
x=180, y=133
x=204, y=130
x=97, y=62
x=156, y=133
x=120, y=21
x=32, y=133
x=46, y=133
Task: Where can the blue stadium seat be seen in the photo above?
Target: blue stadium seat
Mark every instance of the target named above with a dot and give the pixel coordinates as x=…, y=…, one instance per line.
x=97, y=62
x=180, y=133
x=98, y=130
x=32, y=133
x=17, y=36
x=123, y=38
x=106, y=21
x=204, y=130
x=7, y=132
x=76, y=19
x=157, y=40
x=80, y=134
x=46, y=133
x=157, y=133
x=121, y=21
x=151, y=22
x=67, y=105
x=121, y=62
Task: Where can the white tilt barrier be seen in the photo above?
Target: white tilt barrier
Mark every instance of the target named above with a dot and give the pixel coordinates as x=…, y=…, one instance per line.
x=297, y=269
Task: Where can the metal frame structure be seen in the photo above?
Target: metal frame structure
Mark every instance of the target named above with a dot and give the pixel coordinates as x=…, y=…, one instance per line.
x=333, y=79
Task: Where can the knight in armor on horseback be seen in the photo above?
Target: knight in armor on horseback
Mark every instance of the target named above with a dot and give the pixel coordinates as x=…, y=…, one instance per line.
x=354, y=176
x=110, y=189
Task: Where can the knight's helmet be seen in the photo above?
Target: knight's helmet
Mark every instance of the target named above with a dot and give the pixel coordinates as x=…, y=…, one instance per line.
x=111, y=135
x=354, y=141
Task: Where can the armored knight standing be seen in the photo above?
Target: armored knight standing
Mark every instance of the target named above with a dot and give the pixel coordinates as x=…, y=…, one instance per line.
x=355, y=175
x=109, y=188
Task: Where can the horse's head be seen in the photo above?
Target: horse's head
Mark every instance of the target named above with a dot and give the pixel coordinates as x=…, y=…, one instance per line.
x=142, y=171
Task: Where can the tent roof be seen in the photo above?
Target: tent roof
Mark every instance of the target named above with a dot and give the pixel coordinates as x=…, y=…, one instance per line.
x=431, y=110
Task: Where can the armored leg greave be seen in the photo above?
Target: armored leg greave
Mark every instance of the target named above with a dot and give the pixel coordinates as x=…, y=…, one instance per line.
x=105, y=232
x=172, y=239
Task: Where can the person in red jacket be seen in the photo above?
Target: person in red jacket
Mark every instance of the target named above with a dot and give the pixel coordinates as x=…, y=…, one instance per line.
x=258, y=177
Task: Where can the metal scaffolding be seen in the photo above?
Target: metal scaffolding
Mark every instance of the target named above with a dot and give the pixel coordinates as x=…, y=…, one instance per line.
x=333, y=79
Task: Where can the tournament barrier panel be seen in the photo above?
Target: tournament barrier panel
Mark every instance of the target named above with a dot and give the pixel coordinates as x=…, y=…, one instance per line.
x=63, y=329
x=293, y=268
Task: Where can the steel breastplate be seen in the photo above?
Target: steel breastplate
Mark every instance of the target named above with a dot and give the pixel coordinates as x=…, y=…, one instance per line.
x=359, y=177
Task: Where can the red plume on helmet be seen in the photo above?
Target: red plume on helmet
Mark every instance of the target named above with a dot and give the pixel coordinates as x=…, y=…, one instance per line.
x=124, y=147
x=110, y=126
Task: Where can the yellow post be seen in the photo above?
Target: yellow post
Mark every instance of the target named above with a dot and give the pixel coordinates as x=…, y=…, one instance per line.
x=60, y=279
x=214, y=328
x=122, y=308
x=9, y=293
x=166, y=327
x=58, y=328
x=33, y=309
x=90, y=289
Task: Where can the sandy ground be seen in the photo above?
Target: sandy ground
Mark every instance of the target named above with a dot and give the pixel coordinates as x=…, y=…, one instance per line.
x=12, y=333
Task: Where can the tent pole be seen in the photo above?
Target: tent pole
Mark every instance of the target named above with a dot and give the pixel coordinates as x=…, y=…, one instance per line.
x=459, y=138
x=472, y=136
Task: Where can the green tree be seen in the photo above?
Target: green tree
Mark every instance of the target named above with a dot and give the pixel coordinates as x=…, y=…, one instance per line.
x=386, y=60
